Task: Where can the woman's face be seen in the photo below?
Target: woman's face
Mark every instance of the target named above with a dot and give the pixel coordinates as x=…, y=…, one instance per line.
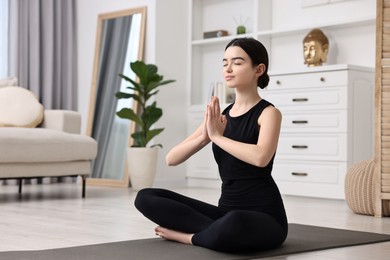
x=238, y=70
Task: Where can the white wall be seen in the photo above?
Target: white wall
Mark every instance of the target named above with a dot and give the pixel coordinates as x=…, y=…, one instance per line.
x=171, y=55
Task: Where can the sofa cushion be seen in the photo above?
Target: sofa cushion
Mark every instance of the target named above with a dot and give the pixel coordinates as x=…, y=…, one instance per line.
x=49, y=169
x=24, y=145
x=19, y=108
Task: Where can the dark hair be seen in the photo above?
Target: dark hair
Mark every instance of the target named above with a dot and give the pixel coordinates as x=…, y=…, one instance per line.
x=258, y=54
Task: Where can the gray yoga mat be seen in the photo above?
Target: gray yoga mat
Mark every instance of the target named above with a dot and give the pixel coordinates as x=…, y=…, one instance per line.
x=301, y=238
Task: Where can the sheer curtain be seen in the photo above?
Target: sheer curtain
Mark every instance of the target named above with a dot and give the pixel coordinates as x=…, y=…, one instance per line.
x=43, y=53
x=3, y=38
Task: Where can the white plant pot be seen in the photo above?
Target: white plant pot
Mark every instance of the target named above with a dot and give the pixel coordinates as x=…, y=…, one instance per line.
x=141, y=166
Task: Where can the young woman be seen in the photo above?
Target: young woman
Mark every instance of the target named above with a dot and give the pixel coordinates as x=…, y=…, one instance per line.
x=250, y=215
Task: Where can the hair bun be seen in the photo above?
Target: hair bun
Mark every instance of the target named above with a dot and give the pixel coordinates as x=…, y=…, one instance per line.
x=263, y=80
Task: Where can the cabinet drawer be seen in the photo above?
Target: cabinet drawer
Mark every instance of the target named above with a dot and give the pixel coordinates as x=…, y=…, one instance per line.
x=312, y=172
x=314, y=121
x=309, y=80
x=313, y=147
x=304, y=100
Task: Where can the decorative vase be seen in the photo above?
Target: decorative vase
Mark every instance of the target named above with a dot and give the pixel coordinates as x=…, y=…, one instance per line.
x=141, y=166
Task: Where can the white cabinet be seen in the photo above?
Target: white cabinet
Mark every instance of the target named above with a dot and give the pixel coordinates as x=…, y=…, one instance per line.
x=327, y=126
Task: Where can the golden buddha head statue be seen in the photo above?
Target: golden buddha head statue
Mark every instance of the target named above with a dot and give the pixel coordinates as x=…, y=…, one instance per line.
x=315, y=48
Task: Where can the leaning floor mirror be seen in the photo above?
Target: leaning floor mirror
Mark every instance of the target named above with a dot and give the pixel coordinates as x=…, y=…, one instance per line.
x=119, y=41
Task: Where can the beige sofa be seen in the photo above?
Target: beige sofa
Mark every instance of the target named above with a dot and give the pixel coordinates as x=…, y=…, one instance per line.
x=41, y=143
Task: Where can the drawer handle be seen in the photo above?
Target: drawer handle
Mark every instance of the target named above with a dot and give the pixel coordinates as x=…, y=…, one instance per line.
x=300, y=174
x=300, y=99
x=322, y=79
x=300, y=146
x=278, y=82
x=300, y=121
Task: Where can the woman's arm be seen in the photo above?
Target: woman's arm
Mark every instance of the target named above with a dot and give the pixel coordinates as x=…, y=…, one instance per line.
x=192, y=144
x=258, y=154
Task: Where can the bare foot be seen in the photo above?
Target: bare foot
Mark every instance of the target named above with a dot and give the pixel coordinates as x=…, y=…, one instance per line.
x=173, y=235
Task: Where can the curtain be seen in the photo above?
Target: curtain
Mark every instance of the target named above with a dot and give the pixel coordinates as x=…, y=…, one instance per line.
x=3, y=38
x=115, y=38
x=44, y=50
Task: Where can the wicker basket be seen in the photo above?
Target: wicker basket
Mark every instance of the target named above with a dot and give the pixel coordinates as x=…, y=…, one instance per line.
x=359, y=189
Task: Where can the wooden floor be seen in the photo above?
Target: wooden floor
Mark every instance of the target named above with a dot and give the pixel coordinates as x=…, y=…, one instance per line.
x=54, y=215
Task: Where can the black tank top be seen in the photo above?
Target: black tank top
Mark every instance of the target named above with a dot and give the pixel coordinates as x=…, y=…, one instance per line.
x=245, y=186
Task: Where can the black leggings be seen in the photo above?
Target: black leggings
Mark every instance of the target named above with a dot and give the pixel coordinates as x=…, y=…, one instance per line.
x=213, y=227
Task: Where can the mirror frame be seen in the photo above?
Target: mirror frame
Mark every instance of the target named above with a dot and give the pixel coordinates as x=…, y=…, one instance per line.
x=124, y=182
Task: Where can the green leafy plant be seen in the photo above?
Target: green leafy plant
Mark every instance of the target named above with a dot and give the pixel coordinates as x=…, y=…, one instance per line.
x=142, y=90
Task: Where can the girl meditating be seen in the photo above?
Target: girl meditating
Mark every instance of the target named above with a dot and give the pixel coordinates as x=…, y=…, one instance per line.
x=250, y=215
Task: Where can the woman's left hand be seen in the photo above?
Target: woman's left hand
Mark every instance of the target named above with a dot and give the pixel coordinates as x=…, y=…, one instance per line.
x=216, y=122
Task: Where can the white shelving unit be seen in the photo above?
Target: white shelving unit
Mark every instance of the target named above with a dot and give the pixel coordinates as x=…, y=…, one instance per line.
x=205, y=57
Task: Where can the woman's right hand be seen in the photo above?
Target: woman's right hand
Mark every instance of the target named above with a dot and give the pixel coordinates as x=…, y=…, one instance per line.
x=215, y=121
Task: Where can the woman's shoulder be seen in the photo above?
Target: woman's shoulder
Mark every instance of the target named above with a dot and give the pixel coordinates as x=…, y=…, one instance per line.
x=267, y=107
x=270, y=112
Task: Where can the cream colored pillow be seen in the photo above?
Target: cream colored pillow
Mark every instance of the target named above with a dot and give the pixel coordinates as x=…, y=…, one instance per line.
x=10, y=81
x=19, y=108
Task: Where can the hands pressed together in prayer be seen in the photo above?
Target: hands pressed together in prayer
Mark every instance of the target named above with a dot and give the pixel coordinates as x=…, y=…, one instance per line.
x=214, y=121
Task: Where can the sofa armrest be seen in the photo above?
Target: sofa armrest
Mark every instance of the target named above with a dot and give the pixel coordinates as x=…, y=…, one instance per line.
x=62, y=120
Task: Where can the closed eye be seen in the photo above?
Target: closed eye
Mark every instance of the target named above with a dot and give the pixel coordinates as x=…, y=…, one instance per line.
x=235, y=63
x=236, y=60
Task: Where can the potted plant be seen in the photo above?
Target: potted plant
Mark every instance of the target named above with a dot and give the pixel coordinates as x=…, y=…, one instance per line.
x=141, y=158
